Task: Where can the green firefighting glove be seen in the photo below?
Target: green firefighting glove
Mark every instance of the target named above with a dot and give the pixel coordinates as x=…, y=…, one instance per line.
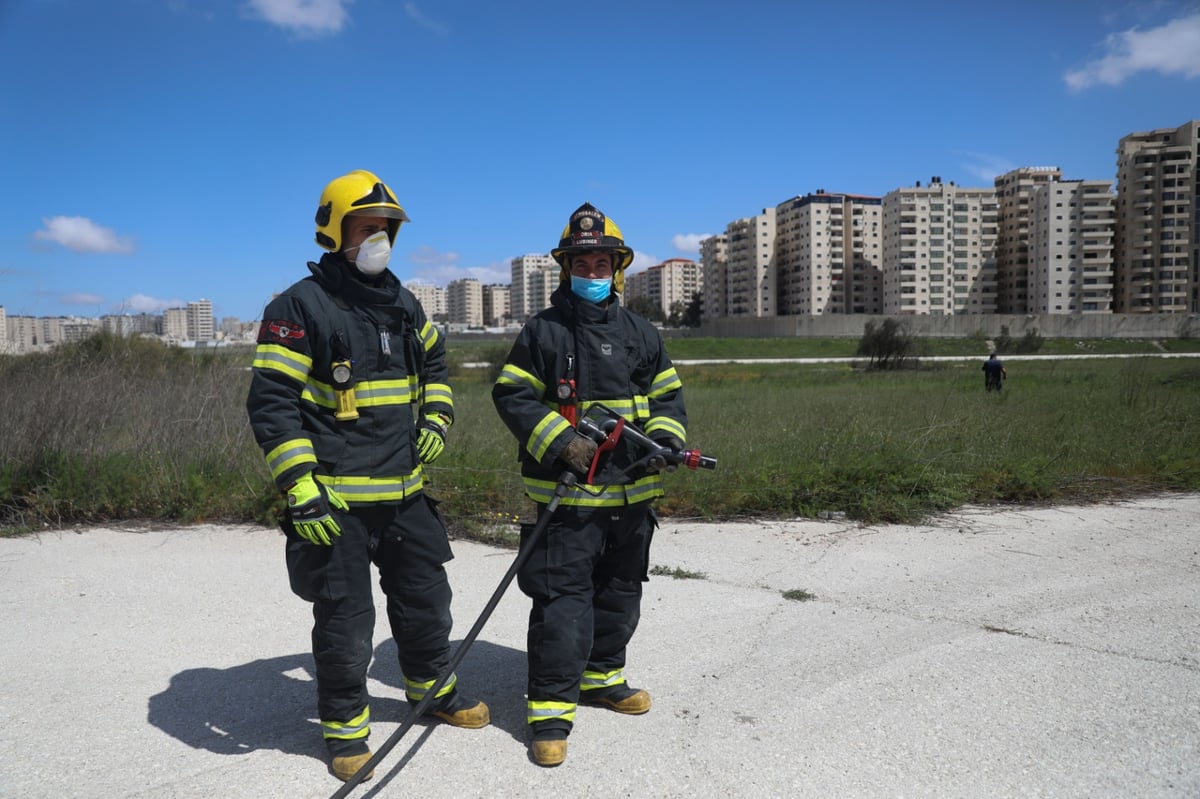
x=310, y=505
x=578, y=454
x=658, y=463
x=431, y=438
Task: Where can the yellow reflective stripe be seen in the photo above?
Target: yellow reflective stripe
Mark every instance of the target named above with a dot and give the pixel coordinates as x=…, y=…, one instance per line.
x=552, y=425
x=289, y=454
x=416, y=689
x=667, y=424
x=515, y=376
x=357, y=727
x=621, y=406
x=643, y=490
x=383, y=392
x=318, y=394
x=542, y=711
x=429, y=335
x=281, y=359
x=643, y=407
x=374, y=489
x=595, y=680
x=439, y=392
x=664, y=381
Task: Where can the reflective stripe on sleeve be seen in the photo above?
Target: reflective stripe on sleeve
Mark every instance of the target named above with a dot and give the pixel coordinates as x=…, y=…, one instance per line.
x=664, y=381
x=552, y=425
x=516, y=376
x=280, y=359
x=289, y=454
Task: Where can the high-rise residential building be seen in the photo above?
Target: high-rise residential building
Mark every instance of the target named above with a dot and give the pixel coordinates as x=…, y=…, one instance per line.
x=1157, y=242
x=175, y=324
x=1014, y=191
x=433, y=300
x=713, y=266
x=24, y=333
x=200, y=324
x=4, y=349
x=496, y=308
x=673, y=281
x=464, y=302
x=534, y=278
x=750, y=266
x=1071, y=248
x=828, y=254
x=939, y=250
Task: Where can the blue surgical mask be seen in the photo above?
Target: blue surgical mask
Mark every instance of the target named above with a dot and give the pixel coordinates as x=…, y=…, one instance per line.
x=592, y=289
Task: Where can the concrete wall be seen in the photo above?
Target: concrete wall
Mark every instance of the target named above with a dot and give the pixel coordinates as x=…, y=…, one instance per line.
x=1081, y=326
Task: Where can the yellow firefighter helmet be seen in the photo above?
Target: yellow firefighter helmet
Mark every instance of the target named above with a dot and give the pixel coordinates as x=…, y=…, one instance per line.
x=359, y=193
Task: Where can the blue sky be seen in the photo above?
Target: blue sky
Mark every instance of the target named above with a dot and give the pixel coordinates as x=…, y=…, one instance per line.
x=154, y=152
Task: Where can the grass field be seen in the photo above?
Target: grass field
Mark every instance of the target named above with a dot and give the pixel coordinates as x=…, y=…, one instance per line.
x=113, y=429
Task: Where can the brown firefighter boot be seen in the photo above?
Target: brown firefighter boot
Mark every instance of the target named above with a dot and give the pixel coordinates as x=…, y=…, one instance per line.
x=622, y=698
x=549, y=749
x=459, y=711
x=346, y=766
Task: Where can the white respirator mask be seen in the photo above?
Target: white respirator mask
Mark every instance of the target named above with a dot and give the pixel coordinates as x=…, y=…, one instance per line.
x=374, y=254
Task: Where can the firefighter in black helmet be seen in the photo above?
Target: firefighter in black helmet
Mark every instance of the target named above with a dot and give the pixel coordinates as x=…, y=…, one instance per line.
x=344, y=357
x=585, y=578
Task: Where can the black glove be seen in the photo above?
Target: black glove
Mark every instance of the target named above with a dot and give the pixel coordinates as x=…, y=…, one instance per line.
x=578, y=454
x=659, y=463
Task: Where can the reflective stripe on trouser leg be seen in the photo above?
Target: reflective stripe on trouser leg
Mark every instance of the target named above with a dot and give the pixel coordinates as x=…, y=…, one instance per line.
x=416, y=690
x=596, y=680
x=356, y=728
x=542, y=711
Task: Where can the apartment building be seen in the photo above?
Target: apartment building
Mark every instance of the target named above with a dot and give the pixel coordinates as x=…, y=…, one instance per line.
x=534, y=278
x=828, y=254
x=1158, y=249
x=4, y=332
x=713, y=263
x=1015, y=190
x=750, y=279
x=464, y=302
x=1070, y=253
x=673, y=281
x=939, y=249
x=433, y=300
x=496, y=305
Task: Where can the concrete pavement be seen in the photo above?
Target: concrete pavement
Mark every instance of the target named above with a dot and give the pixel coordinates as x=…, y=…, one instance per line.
x=991, y=653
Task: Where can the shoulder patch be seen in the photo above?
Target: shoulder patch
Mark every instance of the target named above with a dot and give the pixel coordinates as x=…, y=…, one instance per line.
x=281, y=331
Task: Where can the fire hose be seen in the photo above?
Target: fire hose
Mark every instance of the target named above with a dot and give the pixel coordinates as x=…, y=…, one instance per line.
x=605, y=427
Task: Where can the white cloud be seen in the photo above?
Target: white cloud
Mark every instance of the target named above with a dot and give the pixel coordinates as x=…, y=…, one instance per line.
x=986, y=167
x=1171, y=49
x=81, y=298
x=81, y=234
x=442, y=274
x=642, y=260
x=140, y=303
x=689, y=242
x=416, y=16
x=303, y=17
x=428, y=256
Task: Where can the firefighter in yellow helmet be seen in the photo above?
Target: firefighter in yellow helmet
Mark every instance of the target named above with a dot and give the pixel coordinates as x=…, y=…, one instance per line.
x=344, y=357
x=585, y=578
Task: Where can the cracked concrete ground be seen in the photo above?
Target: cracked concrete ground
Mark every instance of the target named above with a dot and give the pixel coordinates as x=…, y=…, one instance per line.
x=991, y=652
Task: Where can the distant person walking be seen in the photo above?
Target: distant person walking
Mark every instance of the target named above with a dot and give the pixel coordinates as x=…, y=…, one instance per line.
x=994, y=373
x=349, y=400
